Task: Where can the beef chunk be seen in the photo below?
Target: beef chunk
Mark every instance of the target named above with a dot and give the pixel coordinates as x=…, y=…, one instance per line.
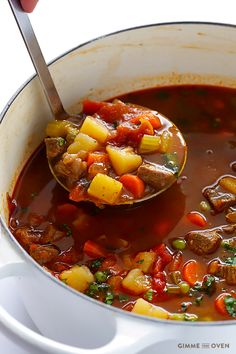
x=71, y=167
x=51, y=234
x=219, y=199
x=156, y=176
x=43, y=254
x=203, y=242
x=227, y=272
x=55, y=147
x=26, y=237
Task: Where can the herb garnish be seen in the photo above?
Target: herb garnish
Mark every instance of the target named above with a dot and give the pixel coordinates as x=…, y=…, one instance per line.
x=207, y=286
x=231, y=260
x=109, y=298
x=227, y=246
x=230, y=305
x=123, y=297
x=96, y=263
x=148, y=295
x=61, y=141
x=198, y=300
x=140, y=261
x=68, y=229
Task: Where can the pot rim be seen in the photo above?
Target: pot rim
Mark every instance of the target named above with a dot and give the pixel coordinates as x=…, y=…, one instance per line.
x=40, y=268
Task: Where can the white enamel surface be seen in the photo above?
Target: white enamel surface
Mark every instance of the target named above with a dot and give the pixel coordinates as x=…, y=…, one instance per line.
x=122, y=62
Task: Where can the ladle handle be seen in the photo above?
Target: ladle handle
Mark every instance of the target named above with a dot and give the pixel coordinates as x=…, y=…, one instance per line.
x=37, y=58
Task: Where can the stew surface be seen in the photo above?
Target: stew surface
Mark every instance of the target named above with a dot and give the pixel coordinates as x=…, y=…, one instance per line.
x=173, y=257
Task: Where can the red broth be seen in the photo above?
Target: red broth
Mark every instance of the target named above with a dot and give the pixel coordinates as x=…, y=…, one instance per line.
x=206, y=117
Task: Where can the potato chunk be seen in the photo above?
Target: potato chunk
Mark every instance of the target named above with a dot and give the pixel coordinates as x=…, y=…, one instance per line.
x=144, y=308
x=145, y=261
x=95, y=128
x=105, y=188
x=78, y=277
x=57, y=128
x=82, y=142
x=123, y=160
x=136, y=282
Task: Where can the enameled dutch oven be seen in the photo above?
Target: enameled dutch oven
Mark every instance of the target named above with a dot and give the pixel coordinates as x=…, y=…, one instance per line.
x=162, y=54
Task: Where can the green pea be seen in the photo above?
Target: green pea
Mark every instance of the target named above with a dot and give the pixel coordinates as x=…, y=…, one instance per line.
x=101, y=277
x=204, y=206
x=184, y=287
x=179, y=244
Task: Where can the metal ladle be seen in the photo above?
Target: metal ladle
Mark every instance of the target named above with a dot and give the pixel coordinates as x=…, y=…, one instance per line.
x=50, y=90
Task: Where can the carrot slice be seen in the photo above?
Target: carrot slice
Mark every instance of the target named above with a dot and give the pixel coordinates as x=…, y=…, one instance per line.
x=92, y=249
x=220, y=304
x=153, y=119
x=97, y=157
x=197, y=218
x=191, y=272
x=134, y=184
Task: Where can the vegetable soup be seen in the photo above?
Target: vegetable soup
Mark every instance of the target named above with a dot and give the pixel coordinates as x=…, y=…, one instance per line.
x=173, y=257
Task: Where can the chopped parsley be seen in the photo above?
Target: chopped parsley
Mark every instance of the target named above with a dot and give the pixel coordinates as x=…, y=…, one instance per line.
x=140, y=261
x=109, y=298
x=61, y=141
x=185, y=306
x=123, y=297
x=207, y=286
x=95, y=289
x=230, y=305
x=198, y=300
x=231, y=260
x=96, y=263
x=148, y=295
x=68, y=229
x=227, y=246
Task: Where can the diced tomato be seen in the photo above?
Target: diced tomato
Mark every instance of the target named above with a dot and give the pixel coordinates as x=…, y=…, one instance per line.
x=66, y=212
x=159, y=283
x=115, y=282
x=128, y=134
x=111, y=265
x=164, y=253
x=77, y=194
x=91, y=107
x=158, y=265
x=197, y=218
x=94, y=250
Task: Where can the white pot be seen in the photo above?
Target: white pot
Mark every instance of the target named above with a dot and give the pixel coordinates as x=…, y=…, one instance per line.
x=138, y=58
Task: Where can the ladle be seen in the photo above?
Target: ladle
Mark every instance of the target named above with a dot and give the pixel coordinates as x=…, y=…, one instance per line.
x=52, y=95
